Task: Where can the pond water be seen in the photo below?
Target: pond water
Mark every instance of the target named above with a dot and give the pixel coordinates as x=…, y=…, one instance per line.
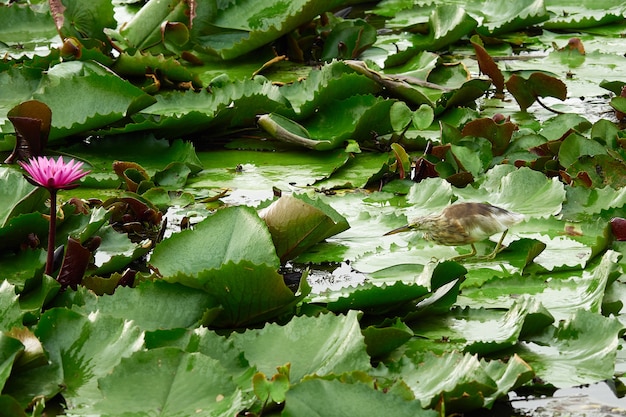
x=596, y=400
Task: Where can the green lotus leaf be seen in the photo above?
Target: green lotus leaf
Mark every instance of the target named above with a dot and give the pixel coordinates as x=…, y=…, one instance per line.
x=519, y=15
x=88, y=348
x=579, y=350
x=384, y=339
x=324, y=345
x=105, y=98
x=233, y=234
x=457, y=379
x=10, y=408
x=33, y=301
x=116, y=251
x=183, y=384
x=12, y=314
x=78, y=19
x=336, y=80
x=346, y=398
x=155, y=305
x=225, y=351
x=169, y=68
x=513, y=375
x=583, y=15
x=297, y=222
x=23, y=269
x=18, y=196
x=244, y=25
x=447, y=23
x=247, y=293
x=584, y=291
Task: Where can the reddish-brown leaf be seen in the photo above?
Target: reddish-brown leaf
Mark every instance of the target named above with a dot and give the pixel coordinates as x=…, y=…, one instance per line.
x=488, y=66
x=31, y=121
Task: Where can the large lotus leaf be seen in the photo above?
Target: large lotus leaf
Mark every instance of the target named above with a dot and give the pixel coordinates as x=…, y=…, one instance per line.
x=17, y=196
x=369, y=216
x=78, y=19
x=180, y=384
x=518, y=189
x=342, y=399
x=228, y=105
x=259, y=173
x=116, y=251
x=32, y=302
x=223, y=350
x=455, y=378
x=20, y=25
x=560, y=126
x=10, y=348
x=580, y=350
x=598, y=171
x=514, y=374
x=516, y=16
x=154, y=305
x=492, y=17
x=88, y=347
x=10, y=408
x=22, y=269
x=246, y=25
x=479, y=331
x=359, y=171
x=17, y=86
x=372, y=298
x=583, y=290
x=567, y=244
x=334, y=81
x=585, y=202
x=384, y=339
x=575, y=145
x=138, y=64
x=84, y=96
x=232, y=234
x=584, y=14
x=352, y=118
x=322, y=345
x=152, y=154
x=246, y=292
x=297, y=222
x=11, y=312
x=221, y=96
x=447, y=23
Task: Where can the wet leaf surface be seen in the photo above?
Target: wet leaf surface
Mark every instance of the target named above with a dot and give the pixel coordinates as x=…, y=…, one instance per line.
x=247, y=160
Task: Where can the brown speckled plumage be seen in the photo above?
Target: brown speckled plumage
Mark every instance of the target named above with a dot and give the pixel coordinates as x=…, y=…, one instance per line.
x=464, y=224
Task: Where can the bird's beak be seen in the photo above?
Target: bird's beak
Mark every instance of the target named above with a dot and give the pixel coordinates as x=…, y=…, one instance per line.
x=405, y=228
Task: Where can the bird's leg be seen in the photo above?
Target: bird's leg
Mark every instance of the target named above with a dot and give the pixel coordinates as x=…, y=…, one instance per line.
x=498, y=246
x=465, y=255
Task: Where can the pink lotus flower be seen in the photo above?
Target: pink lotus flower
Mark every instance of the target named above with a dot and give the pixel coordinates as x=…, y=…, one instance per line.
x=54, y=176
x=51, y=174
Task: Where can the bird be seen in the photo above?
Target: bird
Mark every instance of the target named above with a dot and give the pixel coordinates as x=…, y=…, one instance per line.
x=464, y=224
